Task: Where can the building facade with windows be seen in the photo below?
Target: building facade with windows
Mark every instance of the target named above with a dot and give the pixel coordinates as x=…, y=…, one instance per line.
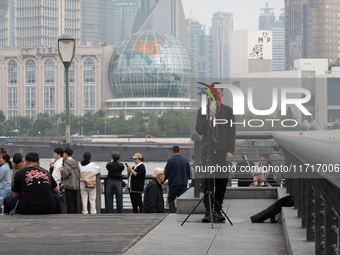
x=312, y=30
x=309, y=74
x=32, y=23
x=267, y=21
x=32, y=81
x=3, y=9
x=222, y=25
x=94, y=21
x=201, y=50
x=166, y=16
x=121, y=16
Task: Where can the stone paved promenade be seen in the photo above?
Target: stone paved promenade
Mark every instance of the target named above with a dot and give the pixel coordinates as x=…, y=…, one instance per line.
x=155, y=233
x=197, y=238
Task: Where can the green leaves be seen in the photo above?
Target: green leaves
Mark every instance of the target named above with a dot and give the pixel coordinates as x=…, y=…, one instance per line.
x=173, y=123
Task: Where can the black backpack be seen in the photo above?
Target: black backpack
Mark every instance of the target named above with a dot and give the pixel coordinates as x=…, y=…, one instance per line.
x=272, y=210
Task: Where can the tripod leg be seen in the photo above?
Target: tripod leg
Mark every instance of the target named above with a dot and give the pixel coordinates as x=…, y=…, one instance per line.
x=210, y=208
x=194, y=209
x=220, y=207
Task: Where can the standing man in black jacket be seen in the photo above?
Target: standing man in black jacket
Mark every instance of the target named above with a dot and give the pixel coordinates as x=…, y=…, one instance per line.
x=153, y=194
x=219, y=142
x=114, y=184
x=136, y=176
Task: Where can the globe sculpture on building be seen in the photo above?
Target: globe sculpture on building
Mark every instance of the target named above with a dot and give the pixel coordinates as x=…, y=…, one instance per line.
x=151, y=69
x=3, y=9
x=150, y=64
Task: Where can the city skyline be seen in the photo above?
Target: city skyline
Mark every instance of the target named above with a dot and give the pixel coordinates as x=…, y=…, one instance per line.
x=244, y=18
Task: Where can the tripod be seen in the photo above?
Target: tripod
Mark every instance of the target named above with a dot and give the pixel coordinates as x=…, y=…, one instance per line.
x=210, y=196
x=208, y=193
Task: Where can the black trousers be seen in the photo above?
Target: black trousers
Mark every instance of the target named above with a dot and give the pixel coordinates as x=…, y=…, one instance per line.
x=136, y=201
x=11, y=203
x=216, y=183
x=71, y=197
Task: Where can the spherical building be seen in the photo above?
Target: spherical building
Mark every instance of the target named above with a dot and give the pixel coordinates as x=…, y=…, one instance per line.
x=151, y=69
x=3, y=9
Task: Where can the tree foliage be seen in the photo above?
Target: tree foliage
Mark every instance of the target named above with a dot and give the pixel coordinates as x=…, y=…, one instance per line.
x=173, y=123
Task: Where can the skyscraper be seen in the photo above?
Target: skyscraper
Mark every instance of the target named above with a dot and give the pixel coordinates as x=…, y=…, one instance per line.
x=201, y=49
x=266, y=18
x=267, y=21
x=3, y=9
x=94, y=21
x=30, y=23
x=222, y=25
x=5, y=22
x=312, y=30
x=121, y=16
x=166, y=16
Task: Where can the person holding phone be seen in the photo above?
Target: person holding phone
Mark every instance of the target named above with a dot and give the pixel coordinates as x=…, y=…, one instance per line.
x=136, y=176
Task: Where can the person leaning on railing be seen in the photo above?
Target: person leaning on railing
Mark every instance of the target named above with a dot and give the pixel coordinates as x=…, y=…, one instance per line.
x=88, y=172
x=114, y=184
x=261, y=172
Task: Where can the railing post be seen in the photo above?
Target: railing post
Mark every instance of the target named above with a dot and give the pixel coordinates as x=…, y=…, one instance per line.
x=304, y=204
x=333, y=232
x=320, y=240
x=98, y=195
x=311, y=209
x=299, y=195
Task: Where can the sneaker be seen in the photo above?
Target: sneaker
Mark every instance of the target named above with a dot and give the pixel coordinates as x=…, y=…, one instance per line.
x=207, y=217
x=218, y=217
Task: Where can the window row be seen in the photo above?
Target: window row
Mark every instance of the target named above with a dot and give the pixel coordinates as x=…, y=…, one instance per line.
x=49, y=72
x=89, y=100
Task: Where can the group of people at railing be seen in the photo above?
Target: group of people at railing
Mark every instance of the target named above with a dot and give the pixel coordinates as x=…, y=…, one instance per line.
x=29, y=189
x=261, y=175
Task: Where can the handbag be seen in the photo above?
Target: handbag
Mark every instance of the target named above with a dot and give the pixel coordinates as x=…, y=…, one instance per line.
x=90, y=184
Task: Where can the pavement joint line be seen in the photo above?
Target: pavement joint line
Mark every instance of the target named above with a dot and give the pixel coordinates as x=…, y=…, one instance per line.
x=143, y=234
x=219, y=227
x=213, y=240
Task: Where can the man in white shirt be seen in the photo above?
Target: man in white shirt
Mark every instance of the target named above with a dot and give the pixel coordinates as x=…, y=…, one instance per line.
x=58, y=154
x=58, y=164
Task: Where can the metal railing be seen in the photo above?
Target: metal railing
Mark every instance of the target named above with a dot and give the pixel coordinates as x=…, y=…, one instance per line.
x=126, y=196
x=316, y=191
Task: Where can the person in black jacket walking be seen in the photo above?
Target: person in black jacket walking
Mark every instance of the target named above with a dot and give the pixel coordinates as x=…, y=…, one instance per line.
x=153, y=195
x=136, y=176
x=114, y=184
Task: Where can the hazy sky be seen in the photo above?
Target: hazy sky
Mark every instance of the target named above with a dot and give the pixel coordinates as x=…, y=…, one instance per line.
x=246, y=12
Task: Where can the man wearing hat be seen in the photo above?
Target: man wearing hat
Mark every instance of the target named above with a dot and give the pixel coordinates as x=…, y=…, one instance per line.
x=136, y=176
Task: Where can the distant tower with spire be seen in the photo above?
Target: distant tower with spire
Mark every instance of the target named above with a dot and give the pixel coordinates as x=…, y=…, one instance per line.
x=267, y=21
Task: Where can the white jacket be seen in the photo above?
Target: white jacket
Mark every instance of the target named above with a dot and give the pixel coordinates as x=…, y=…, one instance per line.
x=89, y=172
x=56, y=170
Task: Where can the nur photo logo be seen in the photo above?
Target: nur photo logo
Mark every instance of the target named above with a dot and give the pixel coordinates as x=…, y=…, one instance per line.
x=240, y=101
